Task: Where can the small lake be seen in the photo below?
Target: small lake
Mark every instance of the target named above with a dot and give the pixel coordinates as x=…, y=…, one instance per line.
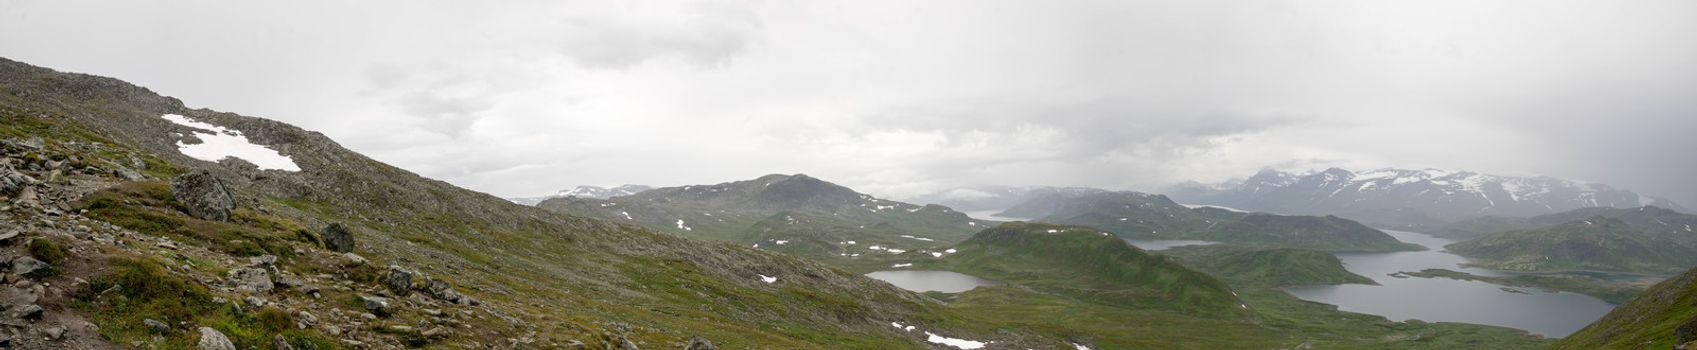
x=932, y=280
x=1164, y=244
x=1552, y=314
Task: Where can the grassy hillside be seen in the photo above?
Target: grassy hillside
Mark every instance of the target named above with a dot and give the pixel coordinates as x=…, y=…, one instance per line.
x=1608, y=291
x=1089, y=263
x=1597, y=243
x=1659, y=318
x=1272, y=268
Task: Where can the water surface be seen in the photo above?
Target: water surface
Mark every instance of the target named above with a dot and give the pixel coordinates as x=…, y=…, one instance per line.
x=1164, y=244
x=1553, y=314
x=932, y=280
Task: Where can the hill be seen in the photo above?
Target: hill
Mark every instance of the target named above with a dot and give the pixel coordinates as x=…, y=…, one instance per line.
x=1640, y=240
x=1147, y=216
x=1661, y=317
x=1274, y=268
x=1403, y=198
x=109, y=184
x=596, y=192
x=797, y=214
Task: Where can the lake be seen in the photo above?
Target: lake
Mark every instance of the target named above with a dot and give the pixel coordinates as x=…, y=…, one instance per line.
x=932, y=280
x=1552, y=314
x=1164, y=244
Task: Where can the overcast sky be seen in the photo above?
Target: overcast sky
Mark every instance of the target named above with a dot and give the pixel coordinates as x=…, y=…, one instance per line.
x=897, y=98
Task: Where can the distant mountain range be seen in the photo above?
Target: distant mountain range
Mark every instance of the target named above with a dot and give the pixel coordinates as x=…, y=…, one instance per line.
x=596, y=192
x=1150, y=216
x=1409, y=198
x=997, y=198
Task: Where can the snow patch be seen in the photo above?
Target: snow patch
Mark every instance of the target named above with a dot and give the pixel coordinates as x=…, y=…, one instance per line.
x=901, y=265
x=763, y=278
x=627, y=215
x=681, y=226
x=218, y=143
x=957, y=343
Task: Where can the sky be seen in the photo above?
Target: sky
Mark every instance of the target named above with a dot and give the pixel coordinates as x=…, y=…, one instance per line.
x=900, y=98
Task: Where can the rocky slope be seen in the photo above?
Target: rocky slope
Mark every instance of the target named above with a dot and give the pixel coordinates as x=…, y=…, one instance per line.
x=796, y=214
x=1404, y=198
x=93, y=167
x=1147, y=216
x=1641, y=240
x=596, y=192
x=1662, y=317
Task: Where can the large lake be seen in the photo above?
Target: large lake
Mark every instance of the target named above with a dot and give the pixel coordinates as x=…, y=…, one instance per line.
x=932, y=280
x=1552, y=314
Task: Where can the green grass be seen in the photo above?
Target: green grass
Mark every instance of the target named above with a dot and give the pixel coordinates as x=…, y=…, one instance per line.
x=148, y=207
x=47, y=251
x=1646, y=322
x=140, y=288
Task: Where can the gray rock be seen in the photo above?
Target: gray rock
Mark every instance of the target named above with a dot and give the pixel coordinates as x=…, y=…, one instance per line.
x=12, y=182
x=157, y=326
x=626, y=344
x=9, y=235
x=30, y=143
x=30, y=267
x=128, y=175
x=377, y=305
x=441, y=290
x=278, y=343
x=337, y=238
x=254, y=302
x=203, y=195
x=263, y=260
x=399, y=280
x=699, y=343
x=354, y=259
x=306, y=318
x=53, y=333
x=211, y=339
x=252, y=280
x=29, y=312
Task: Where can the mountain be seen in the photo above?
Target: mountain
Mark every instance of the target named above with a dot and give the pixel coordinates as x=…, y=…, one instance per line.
x=130, y=206
x=997, y=198
x=796, y=214
x=1661, y=317
x=1407, y=198
x=1643, y=240
x=596, y=192
x=1088, y=262
x=1148, y=216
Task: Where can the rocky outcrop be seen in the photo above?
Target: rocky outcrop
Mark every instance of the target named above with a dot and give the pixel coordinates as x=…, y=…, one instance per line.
x=441, y=290
x=252, y=280
x=338, y=239
x=699, y=343
x=399, y=280
x=203, y=195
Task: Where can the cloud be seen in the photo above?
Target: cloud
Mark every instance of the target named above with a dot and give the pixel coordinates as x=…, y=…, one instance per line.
x=701, y=34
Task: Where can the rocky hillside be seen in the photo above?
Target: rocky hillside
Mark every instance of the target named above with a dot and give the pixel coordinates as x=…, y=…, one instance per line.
x=1403, y=197
x=1662, y=317
x=118, y=234
x=1643, y=240
x=1147, y=216
x=596, y=192
x=796, y=214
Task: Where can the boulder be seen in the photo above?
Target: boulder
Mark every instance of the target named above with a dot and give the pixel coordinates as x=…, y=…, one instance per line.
x=279, y=343
x=211, y=339
x=399, y=280
x=441, y=290
x=352, y=260
x=377, y=305
x=699, y=343
x=252, y=280
x=30, y=312
x=203, y=195
x=338, y=239
x=30, y=267
x=13, y=182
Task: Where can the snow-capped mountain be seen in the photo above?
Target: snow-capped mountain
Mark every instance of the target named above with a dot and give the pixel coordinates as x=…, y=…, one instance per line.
x=596, y=192
x=1410, y=197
